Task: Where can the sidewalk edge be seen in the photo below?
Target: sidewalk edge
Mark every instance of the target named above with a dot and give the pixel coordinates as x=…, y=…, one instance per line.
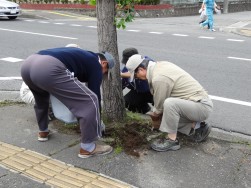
x=229, y=136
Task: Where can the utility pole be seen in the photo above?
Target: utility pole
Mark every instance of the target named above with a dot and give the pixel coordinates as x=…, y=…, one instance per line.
x=225, y=7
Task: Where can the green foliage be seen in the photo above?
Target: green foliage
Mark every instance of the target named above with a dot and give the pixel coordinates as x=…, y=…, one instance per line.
x=118, y=150
x=92, y=2
x=149, y=2
x=126, y=10
x=9, y=103
x=82, y=2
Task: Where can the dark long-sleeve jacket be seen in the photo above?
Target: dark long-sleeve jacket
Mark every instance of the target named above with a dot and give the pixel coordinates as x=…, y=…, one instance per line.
x=84, y=64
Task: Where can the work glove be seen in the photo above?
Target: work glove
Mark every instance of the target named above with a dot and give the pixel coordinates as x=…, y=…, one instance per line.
x=156, y=120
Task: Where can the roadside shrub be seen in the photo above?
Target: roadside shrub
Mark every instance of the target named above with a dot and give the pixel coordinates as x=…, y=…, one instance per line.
x=149, y=2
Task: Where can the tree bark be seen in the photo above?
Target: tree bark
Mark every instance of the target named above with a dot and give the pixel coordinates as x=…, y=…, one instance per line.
x=113, y=100
x=225, y=7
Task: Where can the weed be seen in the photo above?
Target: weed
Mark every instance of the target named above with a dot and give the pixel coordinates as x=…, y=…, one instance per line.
x=10, y=103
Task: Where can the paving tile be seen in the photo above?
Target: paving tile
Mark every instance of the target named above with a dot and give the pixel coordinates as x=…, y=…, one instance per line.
x=14, y=165
x=34, y=174
x=78, y=176
x=91, y=186
x=29, y=157
x=59, y=163
x=45, y=170
x=50, y=171
x=18, y=149
x=3, y=156
x=36, y=155
x=83, y=172
x=22, y=161
x=113, y=182
x=70, y=180
x=104, y=184
x=7, y=150
x=53, y=167
x=60, y=184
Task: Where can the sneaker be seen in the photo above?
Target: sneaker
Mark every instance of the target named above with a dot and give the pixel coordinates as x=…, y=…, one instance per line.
x=43, y=136
x=201, y=26
x=164, y=144
x=202, y=133
x=99, y=150
x=213, y=30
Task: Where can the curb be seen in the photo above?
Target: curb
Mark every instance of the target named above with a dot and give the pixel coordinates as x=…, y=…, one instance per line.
x=229, y=136
x=222, y=134
x=238, y=28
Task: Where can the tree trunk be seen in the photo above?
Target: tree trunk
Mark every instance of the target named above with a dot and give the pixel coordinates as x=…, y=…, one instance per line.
x=113, y=106
x=225, y=7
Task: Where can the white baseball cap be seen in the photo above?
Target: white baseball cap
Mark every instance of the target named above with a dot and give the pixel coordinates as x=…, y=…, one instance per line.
x=132, y=64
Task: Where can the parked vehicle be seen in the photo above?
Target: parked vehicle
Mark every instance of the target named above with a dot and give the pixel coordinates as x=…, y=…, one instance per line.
x=9, y=9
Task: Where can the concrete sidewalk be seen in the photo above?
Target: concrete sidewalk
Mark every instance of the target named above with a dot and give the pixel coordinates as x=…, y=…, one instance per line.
x=214, y=163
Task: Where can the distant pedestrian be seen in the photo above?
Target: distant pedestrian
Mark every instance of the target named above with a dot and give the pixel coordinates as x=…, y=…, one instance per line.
x=137, y=99
x=209, y=5
x=184, y=103
x=60, y=71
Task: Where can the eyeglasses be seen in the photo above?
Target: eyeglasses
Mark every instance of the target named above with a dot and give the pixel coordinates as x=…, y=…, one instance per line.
x=136, y=71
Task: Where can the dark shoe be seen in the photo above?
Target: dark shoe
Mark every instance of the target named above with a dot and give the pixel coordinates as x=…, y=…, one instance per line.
x=99, y=150
x=202, y=133
x=164, y=144
x=43, y=136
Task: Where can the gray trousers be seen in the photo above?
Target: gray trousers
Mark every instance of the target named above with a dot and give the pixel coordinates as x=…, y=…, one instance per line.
x=179, y=114
x=46, y=75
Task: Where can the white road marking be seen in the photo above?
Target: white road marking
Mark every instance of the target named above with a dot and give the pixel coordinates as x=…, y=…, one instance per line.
x=244, y=103
x=29, y=20
x=131, y=30
x=75, y=25
x=41, y=34
x=203, y=37
x=180, y=35
x=239, y=58
x=59, y=23
x=11, y=59
x=154, y=32
x=92, y=26
x=43, y=22
x=11, y=78
x=235, y=40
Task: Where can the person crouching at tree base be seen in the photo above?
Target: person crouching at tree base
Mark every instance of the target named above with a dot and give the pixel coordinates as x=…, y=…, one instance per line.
x=137, y=99
x=59, y=72
x=181, y=101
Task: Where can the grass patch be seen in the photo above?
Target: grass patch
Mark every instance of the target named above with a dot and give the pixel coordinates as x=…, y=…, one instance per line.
x=64, y=128
x=10, y=103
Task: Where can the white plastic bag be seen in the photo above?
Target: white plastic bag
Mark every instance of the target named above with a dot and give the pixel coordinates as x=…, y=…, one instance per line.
x=61, y=112
x=218, y=11
x=203, y=14
x=26, y=94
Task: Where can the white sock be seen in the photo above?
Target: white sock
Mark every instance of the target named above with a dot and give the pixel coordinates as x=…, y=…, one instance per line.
x=88, y=147
x=197, y=125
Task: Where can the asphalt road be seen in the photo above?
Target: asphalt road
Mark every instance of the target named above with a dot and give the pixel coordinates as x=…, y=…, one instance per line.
x=219, y=61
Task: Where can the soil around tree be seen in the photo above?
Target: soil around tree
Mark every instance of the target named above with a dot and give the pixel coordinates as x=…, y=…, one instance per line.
x=133, y=138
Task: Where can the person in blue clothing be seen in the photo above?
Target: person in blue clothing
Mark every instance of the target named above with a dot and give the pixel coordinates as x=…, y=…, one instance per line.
x=137, y=99
x=210, y=5
x=61, y=72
